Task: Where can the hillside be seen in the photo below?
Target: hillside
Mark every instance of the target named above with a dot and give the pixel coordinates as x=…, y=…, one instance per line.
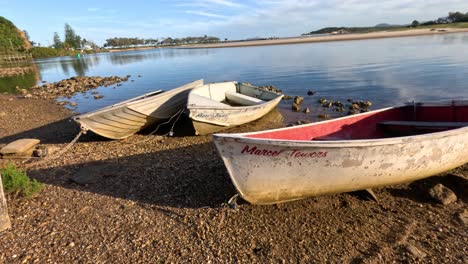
x=11, y=37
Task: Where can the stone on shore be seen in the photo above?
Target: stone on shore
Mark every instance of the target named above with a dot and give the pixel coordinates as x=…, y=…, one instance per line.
x=19, y=147
x=442, y=194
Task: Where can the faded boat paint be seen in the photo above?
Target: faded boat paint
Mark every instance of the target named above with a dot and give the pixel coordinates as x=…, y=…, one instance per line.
x=267, y=171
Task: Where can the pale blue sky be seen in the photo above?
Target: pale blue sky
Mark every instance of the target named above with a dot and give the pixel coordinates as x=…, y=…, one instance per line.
x=99, y=20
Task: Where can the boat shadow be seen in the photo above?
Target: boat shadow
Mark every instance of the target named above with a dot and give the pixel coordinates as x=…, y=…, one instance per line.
x=58, y=132
x=418, y=191
x=187, y=177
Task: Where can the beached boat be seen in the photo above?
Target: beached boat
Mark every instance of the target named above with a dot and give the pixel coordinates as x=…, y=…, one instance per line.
x=126, y=118
x=217, y=106
x=384, y=147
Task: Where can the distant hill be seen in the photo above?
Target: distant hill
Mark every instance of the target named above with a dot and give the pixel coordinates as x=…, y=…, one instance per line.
x=11, y=36
x=329, y=30
x=385, y=25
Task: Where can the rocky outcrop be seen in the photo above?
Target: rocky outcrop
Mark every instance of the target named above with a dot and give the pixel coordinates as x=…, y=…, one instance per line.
x=68, y=87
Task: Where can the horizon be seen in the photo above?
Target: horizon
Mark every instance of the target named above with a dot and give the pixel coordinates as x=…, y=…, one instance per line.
x=220, y=18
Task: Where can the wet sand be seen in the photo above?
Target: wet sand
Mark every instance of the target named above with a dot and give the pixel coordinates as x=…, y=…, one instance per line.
x=162, y=199
x=341, y=37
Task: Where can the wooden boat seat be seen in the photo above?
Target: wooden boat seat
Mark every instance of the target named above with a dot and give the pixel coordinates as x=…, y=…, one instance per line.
x=425, y=125
x=242, y=99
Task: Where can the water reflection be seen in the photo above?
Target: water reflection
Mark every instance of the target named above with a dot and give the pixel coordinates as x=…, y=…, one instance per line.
x=385, y=71
x=29, y=77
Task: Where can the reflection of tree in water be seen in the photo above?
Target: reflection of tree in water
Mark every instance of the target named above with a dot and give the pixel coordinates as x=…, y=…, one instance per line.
x=127, y=57
x=79, y=66
x=23, y=81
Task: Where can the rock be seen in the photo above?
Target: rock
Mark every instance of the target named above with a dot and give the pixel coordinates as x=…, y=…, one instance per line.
x=416, y=252
x=306, y=110
x=40, y=151
x=442, y=194
x=327, y=104
x=2, y=114
x=90, y=174
x=72, y=103
x=463, y=217
x=98, y=96
x=19, y=146
x=139, y=75
x=296, y=107
x=310, y=92
x=323, y=116
x=28, y=95
x=298, y=100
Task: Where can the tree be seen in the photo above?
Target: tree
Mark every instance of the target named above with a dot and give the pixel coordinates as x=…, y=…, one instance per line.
x=57, y=42
x=72, y=40
x=415, y=23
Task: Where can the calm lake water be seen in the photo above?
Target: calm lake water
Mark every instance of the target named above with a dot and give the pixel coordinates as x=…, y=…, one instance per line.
x=384, y=71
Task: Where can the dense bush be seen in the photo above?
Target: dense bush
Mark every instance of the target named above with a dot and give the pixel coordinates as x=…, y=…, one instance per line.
x=16, y=182
x=10, y=38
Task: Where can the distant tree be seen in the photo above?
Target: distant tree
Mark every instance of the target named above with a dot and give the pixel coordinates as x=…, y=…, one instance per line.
x=57, y=42
x=415, y=23
x=72, y=40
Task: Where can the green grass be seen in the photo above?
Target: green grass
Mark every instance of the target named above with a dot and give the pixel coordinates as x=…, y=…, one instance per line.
x=18, y=183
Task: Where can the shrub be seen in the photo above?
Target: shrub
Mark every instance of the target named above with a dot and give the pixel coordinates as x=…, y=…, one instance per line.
x=16, y=182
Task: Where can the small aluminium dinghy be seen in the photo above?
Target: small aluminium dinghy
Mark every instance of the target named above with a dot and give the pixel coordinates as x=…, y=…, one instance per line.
x=217, y=106
x=384, y=147
x=124, y=119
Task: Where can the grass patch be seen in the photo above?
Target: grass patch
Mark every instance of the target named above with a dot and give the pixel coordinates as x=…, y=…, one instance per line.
x=17, y=182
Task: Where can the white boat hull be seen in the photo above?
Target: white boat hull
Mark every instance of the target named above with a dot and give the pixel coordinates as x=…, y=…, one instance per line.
x=209, y=114
x=122, y=120
x=207, y=121
x=274, y=171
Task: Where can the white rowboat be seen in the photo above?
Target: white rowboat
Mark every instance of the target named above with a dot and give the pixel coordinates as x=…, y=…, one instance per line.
x=218, y=106
x=384, y=147
x=126, y=118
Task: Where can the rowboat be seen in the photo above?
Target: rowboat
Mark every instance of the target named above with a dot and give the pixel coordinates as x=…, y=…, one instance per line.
x=378, y=148
x=126, y=118
x=218, y=106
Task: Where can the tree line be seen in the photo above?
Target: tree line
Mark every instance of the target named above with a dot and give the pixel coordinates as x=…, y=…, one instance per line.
x=453, y=17
x=72, y=40
x=129, y=42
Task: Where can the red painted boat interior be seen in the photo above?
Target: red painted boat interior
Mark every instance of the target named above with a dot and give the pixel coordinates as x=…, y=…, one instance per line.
x=369, y=126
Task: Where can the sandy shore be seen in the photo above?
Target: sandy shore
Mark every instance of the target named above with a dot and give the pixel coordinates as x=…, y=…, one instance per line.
x=343, y=37
x=161, y=199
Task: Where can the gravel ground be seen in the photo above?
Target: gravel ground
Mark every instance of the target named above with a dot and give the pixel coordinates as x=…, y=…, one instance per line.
x=162, y=199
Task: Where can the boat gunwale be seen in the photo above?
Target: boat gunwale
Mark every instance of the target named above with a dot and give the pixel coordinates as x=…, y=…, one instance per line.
x=230, y=107
x=242, y=137
x=138, y=99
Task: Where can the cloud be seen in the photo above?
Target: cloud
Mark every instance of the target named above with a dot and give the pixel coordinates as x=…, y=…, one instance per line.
x=206, y=14
x=93, y=9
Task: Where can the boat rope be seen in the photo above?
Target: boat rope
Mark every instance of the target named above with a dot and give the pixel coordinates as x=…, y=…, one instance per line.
x=58, y=154
x=170, y=133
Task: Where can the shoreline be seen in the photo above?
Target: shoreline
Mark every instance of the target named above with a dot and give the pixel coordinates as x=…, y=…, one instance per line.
x=156, y=198
x=330, y=38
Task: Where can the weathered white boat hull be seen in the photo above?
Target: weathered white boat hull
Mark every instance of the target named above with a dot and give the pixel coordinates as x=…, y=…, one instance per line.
x=218, y=106
x=127, y=118
x=207, y=121
x=273, y=171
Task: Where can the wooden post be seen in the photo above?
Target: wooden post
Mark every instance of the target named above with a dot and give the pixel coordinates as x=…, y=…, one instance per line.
x=4, y=218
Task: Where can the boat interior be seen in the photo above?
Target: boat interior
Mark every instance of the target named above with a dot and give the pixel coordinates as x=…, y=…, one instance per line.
x=412, y=119
x=229, y=94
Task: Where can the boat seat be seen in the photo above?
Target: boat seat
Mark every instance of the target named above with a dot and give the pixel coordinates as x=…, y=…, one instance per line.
x=199, y=100
x=425, y=124
x=241, y=99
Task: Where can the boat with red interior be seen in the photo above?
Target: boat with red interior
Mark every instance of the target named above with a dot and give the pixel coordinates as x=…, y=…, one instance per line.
x=378, y=148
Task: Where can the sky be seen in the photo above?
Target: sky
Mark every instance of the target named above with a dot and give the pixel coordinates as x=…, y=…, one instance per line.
x=99, y=20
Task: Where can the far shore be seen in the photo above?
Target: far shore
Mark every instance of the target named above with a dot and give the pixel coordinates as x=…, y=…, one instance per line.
x=329, y=38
